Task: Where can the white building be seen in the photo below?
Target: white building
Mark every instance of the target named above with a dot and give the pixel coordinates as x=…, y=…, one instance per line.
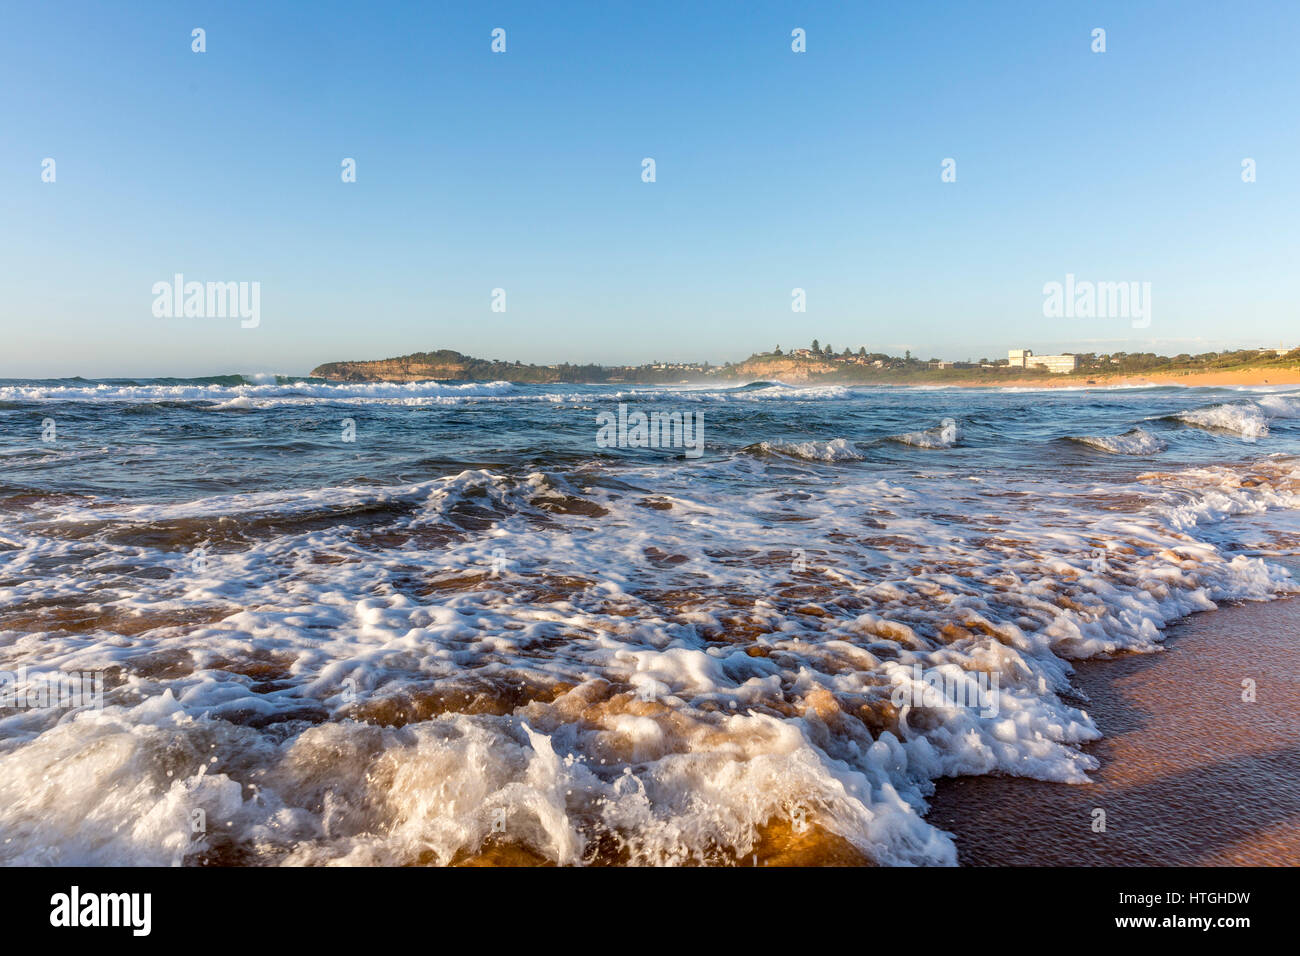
x=1025, y=358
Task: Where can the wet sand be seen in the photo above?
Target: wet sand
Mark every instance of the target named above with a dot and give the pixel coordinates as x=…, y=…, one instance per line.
x=1190, y=773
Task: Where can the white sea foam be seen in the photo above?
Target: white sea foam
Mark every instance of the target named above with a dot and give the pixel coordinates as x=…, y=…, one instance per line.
x=405, y=393
x=538, y=667
x=302, y=392
x=1247, y=419
x=944, y=435
x=1279, y=406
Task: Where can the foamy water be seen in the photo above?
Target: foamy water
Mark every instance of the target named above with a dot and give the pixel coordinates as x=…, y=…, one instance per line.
x=472, y=627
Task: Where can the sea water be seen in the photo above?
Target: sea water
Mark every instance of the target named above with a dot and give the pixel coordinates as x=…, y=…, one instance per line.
x=400, y=623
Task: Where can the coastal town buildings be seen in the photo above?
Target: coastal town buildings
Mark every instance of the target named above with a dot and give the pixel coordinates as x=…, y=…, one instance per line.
x=1025, y=358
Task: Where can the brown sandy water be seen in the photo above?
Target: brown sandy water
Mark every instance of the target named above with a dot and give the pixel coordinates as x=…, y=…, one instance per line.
x=778, y=844
x=1190, y=773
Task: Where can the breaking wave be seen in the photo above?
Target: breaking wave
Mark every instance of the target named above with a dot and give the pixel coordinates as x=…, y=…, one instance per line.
x=837, y=449
x=385, y=674
x=1136, y=441
x=944, y=435
x=1242, y=418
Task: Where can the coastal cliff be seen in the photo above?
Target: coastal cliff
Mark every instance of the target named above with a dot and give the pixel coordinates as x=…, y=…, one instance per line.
x=408, y=368
x=781, y=369
x=448, y=366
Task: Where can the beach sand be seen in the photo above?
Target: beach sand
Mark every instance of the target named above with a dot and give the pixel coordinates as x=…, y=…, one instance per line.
x=1190, y=773
x=1244, y=377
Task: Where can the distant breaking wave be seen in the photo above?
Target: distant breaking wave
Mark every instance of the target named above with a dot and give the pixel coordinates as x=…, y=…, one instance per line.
x=1135, y=441
x=1246, y=419
x=236, y=392
x=222, y=392
x=944, y=435
x=837, y=449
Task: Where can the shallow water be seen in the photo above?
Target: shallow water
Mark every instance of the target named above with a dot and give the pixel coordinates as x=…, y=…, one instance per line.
x=472, y=633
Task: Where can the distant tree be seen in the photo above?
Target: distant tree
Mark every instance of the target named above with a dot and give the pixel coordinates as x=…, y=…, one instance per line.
x=830, y=349
x=777, y=350
x=863, y=351
x=816, y=347
x=907, y=356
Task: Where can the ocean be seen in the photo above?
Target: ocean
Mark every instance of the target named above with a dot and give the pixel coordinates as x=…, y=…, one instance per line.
x=437, y=623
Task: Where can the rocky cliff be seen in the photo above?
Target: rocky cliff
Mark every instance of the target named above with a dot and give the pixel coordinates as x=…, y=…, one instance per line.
x=405, y=369
x=446, y=365
x=771, y=368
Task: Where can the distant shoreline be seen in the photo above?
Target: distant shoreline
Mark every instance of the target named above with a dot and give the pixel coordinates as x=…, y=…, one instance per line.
x=1238, y=378
x=1239, y=369
x=1244, y=377
x=1226, y=379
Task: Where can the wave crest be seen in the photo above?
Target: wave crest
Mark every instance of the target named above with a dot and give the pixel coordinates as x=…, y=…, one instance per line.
x=837, y=449
x=1135, y=441
x=947, y=434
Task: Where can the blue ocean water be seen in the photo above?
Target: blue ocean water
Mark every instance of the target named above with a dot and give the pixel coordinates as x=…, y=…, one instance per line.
x=125, y=437
x=382, y=623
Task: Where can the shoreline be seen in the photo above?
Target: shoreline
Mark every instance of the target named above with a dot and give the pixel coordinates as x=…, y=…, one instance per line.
x=1247, y=378
x=1242, y=378
x=1191, y=774
x=1239, y=378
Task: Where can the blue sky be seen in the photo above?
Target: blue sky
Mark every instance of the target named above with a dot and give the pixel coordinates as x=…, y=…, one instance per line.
x=522, y=171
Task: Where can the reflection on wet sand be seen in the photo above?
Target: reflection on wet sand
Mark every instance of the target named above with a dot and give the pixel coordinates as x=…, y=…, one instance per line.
x=1190, y=773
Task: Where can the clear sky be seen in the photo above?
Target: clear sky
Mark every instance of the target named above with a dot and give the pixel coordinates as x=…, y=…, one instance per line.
x=775, y=170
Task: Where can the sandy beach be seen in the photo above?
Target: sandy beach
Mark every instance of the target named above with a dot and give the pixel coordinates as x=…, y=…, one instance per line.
x=805, y=373
x=1190, y=773
x=1229, y=379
